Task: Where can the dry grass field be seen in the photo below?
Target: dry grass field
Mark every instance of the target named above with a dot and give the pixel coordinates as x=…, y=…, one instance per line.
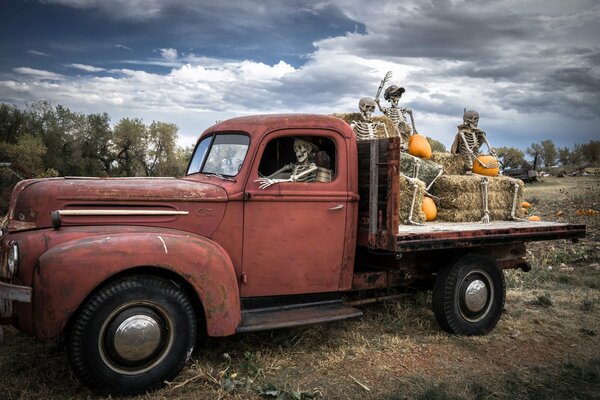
x=546, y=346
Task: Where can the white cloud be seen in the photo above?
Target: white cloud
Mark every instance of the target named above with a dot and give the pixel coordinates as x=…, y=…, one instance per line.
x=38, y=73
x=84, y=67
x=168, y=54
x=122, y=46
x=38, y=53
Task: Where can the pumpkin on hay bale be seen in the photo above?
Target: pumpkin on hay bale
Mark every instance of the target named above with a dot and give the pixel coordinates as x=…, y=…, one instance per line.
x=418, y=146
x=460, y=198
x=486, y=165
x=429, y=208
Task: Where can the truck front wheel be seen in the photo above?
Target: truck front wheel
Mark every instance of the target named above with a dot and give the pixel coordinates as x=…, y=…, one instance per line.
x=468, y=297
x=132, y=336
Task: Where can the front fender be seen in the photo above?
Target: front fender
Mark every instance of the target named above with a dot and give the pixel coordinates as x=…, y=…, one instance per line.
x=71, y=270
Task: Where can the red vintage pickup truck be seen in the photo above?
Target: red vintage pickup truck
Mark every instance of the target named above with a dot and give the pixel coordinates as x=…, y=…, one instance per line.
x=130, y=270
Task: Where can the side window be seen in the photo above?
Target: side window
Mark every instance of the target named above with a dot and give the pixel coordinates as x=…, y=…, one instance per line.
x=299, y=159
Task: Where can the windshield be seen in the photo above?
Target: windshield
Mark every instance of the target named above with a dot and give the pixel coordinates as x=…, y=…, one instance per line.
x=221, y=154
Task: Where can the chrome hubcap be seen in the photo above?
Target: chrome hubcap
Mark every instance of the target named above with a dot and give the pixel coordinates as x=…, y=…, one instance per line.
x=476, y=296
x=137, y=337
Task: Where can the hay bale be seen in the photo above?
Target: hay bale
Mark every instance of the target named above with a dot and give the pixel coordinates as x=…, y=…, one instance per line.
x=460, y=198
x=428, y=170
x=454, y=164
x=406, y=195
x=389, y=124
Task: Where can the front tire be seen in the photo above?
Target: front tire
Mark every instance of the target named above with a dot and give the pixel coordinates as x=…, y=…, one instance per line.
x=132, y=336
x=468, y=297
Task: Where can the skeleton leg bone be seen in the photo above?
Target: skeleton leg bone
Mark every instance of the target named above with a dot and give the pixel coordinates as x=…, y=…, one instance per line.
x=434, y=179
x=415, y=186
x=514, y=203
x=484, y=197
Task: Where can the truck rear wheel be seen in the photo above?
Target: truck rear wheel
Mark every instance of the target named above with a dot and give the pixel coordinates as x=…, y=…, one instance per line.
x=468, y=297
x=132, y=336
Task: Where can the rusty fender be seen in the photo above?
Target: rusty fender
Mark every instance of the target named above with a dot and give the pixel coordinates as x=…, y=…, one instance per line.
x=70, y=271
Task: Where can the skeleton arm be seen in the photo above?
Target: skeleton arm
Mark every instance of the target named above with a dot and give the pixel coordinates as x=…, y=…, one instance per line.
x=412, y=119
x=484, y=140
x=313, y=167
x=382, y=109
x=264, y=183
x=386, y=78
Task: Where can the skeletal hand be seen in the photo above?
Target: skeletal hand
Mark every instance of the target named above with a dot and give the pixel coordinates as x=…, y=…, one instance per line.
x=264, y=183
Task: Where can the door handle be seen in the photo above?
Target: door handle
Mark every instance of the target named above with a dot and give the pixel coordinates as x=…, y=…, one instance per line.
x=338, y=207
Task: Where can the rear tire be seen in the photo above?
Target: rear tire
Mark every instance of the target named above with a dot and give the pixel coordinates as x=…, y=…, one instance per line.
x=468, y=297
x=132, y=336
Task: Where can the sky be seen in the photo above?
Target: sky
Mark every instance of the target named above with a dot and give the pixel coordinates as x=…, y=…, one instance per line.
x=530, y=68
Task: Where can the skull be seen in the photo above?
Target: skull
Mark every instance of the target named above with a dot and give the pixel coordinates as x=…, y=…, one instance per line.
x=393, y=94
x=367, y=107
x=302, y=149
x=471, y=118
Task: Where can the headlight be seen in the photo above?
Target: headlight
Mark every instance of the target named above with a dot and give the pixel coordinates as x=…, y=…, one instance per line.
x=13, y=259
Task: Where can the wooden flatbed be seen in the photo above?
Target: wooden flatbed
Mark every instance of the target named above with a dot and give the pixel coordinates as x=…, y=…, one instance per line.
x=445, y=235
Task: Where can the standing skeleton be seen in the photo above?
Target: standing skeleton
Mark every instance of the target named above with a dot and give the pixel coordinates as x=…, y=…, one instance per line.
x=467, y=143
x=301, y=171
x=397, y=114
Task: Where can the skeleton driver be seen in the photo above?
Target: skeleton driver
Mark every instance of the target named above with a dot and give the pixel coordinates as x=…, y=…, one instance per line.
x=367, y=129
x=303, y=170
x=469, y=138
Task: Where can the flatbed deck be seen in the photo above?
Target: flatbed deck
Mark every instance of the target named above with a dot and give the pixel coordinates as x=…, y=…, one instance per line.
x=443, y=235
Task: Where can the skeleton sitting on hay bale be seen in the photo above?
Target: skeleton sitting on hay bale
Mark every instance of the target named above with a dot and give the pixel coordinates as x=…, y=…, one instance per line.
x=499, y=195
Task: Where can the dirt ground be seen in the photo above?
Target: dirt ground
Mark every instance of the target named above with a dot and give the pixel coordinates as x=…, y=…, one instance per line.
x=546, y=345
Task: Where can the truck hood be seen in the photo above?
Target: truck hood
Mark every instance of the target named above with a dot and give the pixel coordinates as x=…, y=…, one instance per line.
x=169, y=202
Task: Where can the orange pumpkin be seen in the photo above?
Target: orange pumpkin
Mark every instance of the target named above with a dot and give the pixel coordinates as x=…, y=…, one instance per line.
x=429, y=209
x=486, y=165
x=525, y=204
x=418, y=146
x=534, y=218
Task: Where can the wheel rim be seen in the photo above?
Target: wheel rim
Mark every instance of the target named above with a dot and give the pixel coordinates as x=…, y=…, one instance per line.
x=136, y=337
x=476, y=294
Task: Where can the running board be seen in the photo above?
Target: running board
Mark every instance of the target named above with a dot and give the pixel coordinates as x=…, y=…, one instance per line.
x=261, y=319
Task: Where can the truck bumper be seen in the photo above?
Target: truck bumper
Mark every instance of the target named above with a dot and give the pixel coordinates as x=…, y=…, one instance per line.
x=8, y=294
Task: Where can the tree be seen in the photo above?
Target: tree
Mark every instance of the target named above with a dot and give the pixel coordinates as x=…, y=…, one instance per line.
x=183, y=156
x=545, y=151
x=549, y=153
x=591, y=152
x=129, y=136
x=11, y=123
x=435, y=145
x=510, y=157
x=564, y=156
x=161, y=159
x=97, y=152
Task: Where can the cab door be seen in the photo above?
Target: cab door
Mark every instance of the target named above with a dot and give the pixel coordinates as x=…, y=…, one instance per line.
x=294, y=232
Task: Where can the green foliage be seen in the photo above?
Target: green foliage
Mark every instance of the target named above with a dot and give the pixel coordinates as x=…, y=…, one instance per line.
x=47, y=140
x=545, y=151
x=435, y=145
x=510, y=157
